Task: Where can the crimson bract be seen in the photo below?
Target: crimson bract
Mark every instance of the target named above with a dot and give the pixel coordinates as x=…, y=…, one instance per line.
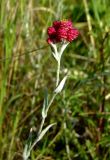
x=62, y=31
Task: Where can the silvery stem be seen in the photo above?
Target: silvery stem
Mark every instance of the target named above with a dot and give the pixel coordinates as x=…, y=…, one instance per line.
x=41, y=126
x=58, y=73
x=42, y=123
x=43, y=119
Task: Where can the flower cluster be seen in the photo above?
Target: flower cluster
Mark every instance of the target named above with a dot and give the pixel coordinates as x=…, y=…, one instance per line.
x=62, y=31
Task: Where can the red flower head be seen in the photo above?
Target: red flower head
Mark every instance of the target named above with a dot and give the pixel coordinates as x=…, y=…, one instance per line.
x=72, y=34
x=61, y=34
x=51, y=31
x=66, y=24
x=56, y=24
x=62, y=30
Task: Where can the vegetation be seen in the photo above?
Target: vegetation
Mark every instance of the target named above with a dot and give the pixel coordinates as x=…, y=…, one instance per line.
x=82, y=110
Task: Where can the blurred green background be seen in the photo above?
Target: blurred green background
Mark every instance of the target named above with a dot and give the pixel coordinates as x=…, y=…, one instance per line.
x=82, y=110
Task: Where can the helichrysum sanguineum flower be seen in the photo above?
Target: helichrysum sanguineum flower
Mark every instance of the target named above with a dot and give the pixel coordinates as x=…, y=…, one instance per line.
x=62, y=31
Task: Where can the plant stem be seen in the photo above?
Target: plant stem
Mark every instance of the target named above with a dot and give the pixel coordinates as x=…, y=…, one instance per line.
x=51, y=101
x=89, y=24
x=101, y=121
x=66, y=140
x=43, y=119
x=41, y=126
x=103, y=90
x=58, y=73
x=42, y=123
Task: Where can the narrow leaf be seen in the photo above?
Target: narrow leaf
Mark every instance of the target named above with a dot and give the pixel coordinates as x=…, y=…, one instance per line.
x=61, y=85
x=44, y=131
x=45, y=104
